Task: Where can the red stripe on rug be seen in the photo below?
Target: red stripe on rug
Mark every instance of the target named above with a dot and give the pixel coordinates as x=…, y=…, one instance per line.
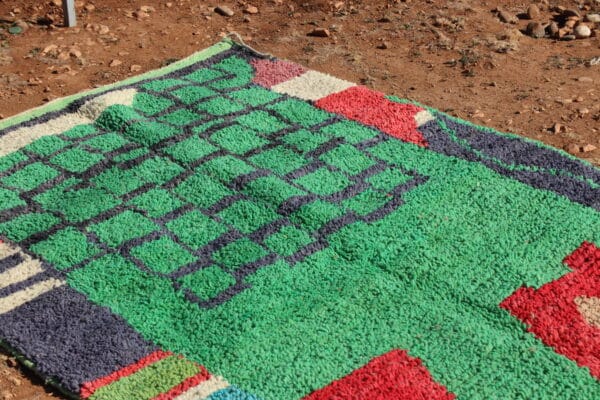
x=394, y=375
x=88, y=388
x=184, y=386
x=372, y=108
x=556, y=312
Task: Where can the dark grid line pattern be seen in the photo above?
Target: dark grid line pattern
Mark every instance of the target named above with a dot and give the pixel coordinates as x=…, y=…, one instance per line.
x=243, y=188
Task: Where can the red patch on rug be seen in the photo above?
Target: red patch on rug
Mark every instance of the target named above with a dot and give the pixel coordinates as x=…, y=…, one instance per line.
x=272, y=72
x=372, y=108
x=394, y=375
x=552, y=312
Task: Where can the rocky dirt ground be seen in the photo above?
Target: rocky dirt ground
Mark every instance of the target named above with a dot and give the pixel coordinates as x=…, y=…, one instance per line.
x=528, y=68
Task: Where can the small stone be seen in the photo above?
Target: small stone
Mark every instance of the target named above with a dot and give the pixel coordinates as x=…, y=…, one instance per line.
x=11, y=362
x=384, y=19
x=585, y=79
x=139, y=14
x=507, y=17
x=135, y=68
x=573, y=148
x=15, y=30
x=570, y=12
x=533, y=12
x=147, y=9
x=595, y=18
x=552, y=29
x=169, y=4
x=63, y=56
x=251, y=10
x=583, y=111
x=102, y=29
x=582, y=31
x=115, y=63
x=15, y=381
x=247, y=19
x=558, y=128
x=588, y=148
x=75, y=52
x=570, y=23
x=224, y=11
x=49, y=49
x=535, y=30
x=383, y=46
x=90, y=7
x=319, y=32
x=569, y=37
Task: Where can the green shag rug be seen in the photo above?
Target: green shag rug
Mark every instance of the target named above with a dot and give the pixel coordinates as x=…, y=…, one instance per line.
x=235, y=226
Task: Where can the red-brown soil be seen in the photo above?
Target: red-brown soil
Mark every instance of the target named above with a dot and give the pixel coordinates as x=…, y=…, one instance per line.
x=456, y=56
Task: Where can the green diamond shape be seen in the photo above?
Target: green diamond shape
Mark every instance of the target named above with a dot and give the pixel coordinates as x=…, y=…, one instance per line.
x=156, y=202
x=304, y=140
x=261, y=121
x=238, y=139
x=202, y=190
x=76, y=160
x=279, y=159
x=192, y=94
x=162, y=255
x=254, y=96
x=65, y=248
x=107, y=142
x=47, y=145
x=288, y=240
x=190, y=150
x=348, y=159
x=196, y=229
x=180, y=117
x=239, y=253
x=208, y=282
x=219, y=106
x=10, y=199
x=247, y=216
x=31, y=176
x=123, y=227
x=324, y=182
x=23, y=226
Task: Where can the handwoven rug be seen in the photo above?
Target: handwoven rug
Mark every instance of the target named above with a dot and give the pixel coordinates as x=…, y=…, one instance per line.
x=235, y=226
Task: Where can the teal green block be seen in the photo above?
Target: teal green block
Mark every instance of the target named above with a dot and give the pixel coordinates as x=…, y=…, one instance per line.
x=159, y=85
x=76, y=160
x=202, y=190
x=149, y=133
x=262, y=122
x=47, y=145
x=156, y=202
x=204, y=75
x=208, y=282
x=304, y=140
x=351, y=131
x=348, y=159
x=190, y=150
x=225, y=168
x=239, y=253
x=123, y=227
x=65, y=248
x=30, y=177
x=254, y=96
x=162, y=255
x=12, y=159
x=300, y=112
x=10, y=199
x=26, y=225
x=107, y=142
x=324, y=182
x=219, y=106
x=279, y=159
x=191, y=94
x=247, y=216
x=180, y=117
x=288, y=240
x=196, y=229
x=238, y=139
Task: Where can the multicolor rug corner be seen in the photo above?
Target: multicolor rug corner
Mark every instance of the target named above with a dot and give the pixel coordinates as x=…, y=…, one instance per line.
x=236, y=226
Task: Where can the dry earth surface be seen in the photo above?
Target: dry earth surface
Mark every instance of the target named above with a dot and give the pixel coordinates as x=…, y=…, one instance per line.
x=497, y=67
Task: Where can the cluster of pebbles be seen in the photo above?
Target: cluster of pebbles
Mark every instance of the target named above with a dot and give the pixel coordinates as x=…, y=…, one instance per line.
x=562, y=23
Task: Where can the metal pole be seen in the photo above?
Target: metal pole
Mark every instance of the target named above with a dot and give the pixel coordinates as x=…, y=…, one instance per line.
x=69, y=11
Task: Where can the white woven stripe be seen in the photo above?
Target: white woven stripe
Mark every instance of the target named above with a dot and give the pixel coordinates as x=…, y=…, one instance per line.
x=204, y=389
x=21, y=297
x=312, y=85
